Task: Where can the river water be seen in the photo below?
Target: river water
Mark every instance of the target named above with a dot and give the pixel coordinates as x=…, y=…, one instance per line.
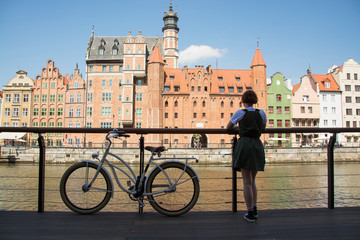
x=281, y=186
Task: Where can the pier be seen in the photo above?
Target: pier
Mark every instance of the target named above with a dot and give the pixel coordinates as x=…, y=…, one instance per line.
x=323, y=223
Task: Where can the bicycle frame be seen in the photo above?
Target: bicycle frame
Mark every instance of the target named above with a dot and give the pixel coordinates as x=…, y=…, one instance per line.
x=132, y=176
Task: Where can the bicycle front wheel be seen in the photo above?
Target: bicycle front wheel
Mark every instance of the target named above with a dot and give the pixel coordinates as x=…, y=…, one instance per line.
x=80, y=198
x=179, y=200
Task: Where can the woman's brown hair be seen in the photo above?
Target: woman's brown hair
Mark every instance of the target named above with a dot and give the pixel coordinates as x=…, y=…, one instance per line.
x=249, y=97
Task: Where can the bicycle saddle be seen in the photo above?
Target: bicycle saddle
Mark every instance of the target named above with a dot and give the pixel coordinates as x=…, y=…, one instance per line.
x=155, y=149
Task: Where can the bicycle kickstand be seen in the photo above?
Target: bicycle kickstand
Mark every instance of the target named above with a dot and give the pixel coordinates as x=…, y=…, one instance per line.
x=141, y=205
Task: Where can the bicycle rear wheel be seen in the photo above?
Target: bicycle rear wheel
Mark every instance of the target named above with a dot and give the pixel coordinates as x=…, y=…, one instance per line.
x=182, y=198
x=77, y=197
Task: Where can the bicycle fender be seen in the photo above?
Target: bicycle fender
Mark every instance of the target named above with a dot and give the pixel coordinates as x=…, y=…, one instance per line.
x=106, y=171
x=188, y=166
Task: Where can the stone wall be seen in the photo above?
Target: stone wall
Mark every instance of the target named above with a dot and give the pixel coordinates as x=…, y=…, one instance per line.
x=205, y=156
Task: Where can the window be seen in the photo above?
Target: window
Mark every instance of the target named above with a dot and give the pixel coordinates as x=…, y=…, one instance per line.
x=101, y=51
x=24, y=112
x=231, y=104
x=302, y=109
x=176, y=103
x=347, y=87
x=325, y=110
x=203, y=103
x=44, y=98
x=176, y=89
x=271, y=109
x=222, y=89
x=175, y=115
x=287, y=123
x=278, y=97
x=194, y=103
x=90, y=97
x=357, y=111
x=287, y=110
x=310, y=109
x=239, y=89
x=114, y=52
x=104, y=68
x=332, y=97
x=348, y=76
x=78, y=112
x=106, y=97
x=222, y=104
x=36, y=98
x=90, y=82
x=357, y=88
x=16, y=98
x=271, y=122
x=327, y=84
x=60, y=111
x=237, y=79
x=278, y=110
x=355, y=76
x=194, y=115
x=110, y=82
x=91, y=68
x=43, y=111
x=44, y=85
x=139, y=112
x=279, y=123
x=78, y=98
x=103, y=83
x=348, y=99
x=166, y=115
x=35, y=112
x=231, y=90
x=171, y=77
x=222, y=115
x=199, y=89
x=325, y=122
x=333, y=110
x=357, y=99
x=166, y=89
x=305, y=98
x=7, y=98
x=138, y=97
x=203, y=115
x=71, y=100
x=89, y=111
x=71, y=112
x=354, y=124
x=166, y=104
x=105, y=111
x=76, y=84
x=139, y=83
x=105, y=124
x=60, y=97
x=52, y=97
x=348, y=111
x=334, y=123
x=220, y=78
x=192, y=88
x=51, y=111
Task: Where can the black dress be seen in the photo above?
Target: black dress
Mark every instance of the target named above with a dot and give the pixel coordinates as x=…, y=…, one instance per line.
x=249, y=150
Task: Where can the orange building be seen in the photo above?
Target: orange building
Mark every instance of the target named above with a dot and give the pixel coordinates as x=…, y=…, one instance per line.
x=134, y=81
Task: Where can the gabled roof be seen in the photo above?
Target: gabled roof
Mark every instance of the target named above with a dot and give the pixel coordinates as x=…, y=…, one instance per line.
x=258, y=59
x=295, y=88
x=321, y=79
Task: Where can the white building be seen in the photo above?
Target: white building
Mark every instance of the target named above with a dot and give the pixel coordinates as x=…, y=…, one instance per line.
x=348, y=78
x=330, y=104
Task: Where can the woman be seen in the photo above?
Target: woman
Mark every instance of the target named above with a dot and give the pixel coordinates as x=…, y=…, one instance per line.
x=249, y=151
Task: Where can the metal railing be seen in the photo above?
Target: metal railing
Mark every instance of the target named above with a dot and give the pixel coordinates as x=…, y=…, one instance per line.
x=145, y=131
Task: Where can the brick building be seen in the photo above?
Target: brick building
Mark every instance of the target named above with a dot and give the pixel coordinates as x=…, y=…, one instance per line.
x=134, y=81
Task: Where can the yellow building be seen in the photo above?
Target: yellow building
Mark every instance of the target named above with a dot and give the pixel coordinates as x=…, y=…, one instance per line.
x=16, y=106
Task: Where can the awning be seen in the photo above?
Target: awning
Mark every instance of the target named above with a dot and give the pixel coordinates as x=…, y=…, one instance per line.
x=11, y=135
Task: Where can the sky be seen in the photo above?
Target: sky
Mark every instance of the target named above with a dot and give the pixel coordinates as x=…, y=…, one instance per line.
x=292, y=35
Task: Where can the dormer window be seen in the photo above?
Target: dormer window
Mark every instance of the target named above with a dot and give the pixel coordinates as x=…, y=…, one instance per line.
x=101, y=51
x=115, y=51
x=116, y=42
x=327, y=84
x=102, y=42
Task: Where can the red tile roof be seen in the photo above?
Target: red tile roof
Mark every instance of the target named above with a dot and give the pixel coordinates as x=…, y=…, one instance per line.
x=258, y=59
x=321, y=79
x=156, y=56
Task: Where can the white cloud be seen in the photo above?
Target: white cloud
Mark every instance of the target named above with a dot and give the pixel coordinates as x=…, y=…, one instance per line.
x=195, y=53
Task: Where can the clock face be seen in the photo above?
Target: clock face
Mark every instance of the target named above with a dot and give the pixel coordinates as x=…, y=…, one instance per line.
x=278, y=82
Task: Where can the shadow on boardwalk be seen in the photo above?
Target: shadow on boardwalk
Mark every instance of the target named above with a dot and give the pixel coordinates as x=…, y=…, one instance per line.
x=339, y=223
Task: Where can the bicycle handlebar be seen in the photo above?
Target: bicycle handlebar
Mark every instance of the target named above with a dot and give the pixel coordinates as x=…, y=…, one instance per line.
x=116, y=133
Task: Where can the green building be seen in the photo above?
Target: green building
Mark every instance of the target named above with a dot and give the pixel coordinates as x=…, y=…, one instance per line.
x=279, y=111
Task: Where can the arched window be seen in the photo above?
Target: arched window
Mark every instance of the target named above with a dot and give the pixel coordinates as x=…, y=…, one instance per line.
x=194, y=103
x=203, y=104
x=222, y=104
x=176, y=103
x=166, y=103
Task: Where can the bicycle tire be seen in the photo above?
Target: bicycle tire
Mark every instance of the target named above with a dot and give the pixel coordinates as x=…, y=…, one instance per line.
x=79, y=200
x=179, y=201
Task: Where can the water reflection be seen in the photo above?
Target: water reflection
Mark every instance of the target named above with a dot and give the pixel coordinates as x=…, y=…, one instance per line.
x=280, y=187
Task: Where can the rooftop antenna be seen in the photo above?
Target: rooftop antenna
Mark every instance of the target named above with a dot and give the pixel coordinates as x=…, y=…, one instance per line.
x=216, y=63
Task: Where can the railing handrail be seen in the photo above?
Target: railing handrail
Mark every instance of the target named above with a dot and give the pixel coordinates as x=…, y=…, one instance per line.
x=174, y=130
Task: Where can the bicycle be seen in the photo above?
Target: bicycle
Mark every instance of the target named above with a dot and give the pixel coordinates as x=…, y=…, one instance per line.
x=171, y=187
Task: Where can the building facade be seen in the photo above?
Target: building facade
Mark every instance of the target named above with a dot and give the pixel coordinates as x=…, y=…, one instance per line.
x=330, y=104
x=305, y=107
x=348, y=78
x=75, y=109
x=134, y=81
x=16, y=105
x=279, y=110
x=48, y=104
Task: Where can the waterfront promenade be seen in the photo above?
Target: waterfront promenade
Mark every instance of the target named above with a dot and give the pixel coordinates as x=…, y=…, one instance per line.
x=338, y=223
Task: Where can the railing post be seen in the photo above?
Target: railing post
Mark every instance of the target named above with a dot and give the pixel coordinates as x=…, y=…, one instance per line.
x=141, y=170
x=41, y=189
x=234, y=177
x=330, y=155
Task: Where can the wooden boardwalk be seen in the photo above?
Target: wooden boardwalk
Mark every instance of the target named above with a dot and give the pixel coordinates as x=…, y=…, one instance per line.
x=339, y=223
